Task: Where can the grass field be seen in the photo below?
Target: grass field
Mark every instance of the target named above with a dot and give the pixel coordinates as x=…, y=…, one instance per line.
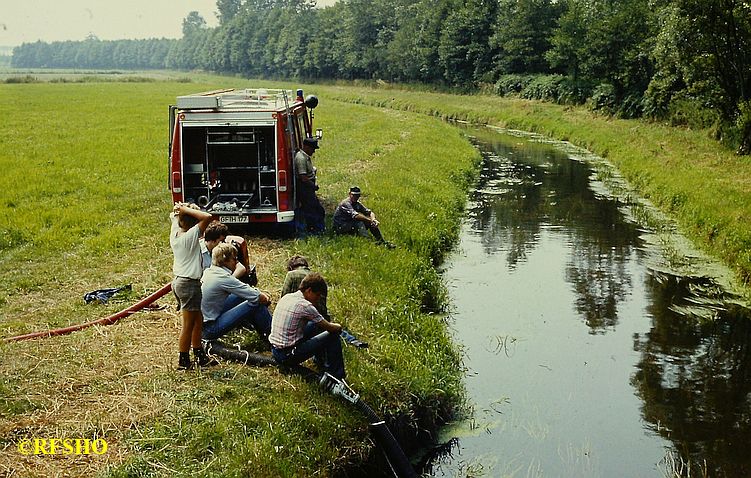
x=83, y=205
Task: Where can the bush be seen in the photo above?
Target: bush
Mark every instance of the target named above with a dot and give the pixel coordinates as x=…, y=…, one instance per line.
x=573, y=92
x=22, y=79
x=684, y=110
x=631, y=106
x=603, y=99
x=743, y=127
x=554, y=88
x=512, y=84
x=543, y=87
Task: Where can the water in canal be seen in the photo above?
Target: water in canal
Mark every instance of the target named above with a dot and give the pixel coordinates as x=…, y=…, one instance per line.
x=582, y=360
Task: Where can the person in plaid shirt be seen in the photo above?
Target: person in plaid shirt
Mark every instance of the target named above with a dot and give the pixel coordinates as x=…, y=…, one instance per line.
x=299, y=331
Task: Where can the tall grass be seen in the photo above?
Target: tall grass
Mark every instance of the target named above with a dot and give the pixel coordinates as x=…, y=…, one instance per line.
x=83, y=205
x=688, y=175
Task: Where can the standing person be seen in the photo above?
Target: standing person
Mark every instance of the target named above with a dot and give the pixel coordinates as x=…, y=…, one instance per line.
x=299, y=331
x=352, y=217
x=297, y=269
x=310, y=215
x=229, y=303
x=188, y=223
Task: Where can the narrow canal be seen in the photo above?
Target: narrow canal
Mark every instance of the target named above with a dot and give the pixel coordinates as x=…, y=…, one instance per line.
x=581, y=360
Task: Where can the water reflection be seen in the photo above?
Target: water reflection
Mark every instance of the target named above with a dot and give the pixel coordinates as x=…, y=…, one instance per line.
x=527, y=186
x=694, y=377
x=581, y=361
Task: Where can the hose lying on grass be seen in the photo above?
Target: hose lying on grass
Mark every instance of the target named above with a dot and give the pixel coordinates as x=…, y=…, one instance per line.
x=105, y=321
x=395, y=456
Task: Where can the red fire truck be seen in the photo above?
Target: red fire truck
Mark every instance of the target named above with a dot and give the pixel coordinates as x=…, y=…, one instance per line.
x=231, y=152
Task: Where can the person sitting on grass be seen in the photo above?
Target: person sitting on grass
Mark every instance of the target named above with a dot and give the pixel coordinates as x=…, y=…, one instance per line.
x=215, y=234
x=188, y=223
x=229, y=303
x=297, y=269
x=299, y=331
x=352, y=217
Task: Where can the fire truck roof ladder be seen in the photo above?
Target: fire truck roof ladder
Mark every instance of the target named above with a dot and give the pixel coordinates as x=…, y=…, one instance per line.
x=249, y=98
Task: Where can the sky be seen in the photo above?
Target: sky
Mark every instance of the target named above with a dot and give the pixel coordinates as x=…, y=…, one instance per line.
x=24, y=21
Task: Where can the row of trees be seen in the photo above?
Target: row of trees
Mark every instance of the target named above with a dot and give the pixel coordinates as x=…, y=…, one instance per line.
x=94, y=53
x=689, y=60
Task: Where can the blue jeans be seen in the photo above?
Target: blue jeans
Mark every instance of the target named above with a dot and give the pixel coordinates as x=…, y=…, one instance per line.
x=323, y=345
x=237, y=312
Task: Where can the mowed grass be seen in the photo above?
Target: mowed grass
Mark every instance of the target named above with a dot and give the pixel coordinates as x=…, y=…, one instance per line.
x=83, y=205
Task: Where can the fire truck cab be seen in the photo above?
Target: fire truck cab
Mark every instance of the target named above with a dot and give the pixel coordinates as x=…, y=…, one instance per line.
x=232, y=152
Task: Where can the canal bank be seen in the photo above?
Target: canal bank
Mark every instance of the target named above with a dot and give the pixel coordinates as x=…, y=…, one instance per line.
x=119, y=382
x=685, y=173
x=587, y=353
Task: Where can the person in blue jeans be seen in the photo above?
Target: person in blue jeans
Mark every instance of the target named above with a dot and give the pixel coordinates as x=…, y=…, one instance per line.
x=228, y=303
x=299, y=331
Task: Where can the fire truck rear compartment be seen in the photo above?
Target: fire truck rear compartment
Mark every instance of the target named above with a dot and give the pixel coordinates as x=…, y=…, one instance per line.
x=230, y=169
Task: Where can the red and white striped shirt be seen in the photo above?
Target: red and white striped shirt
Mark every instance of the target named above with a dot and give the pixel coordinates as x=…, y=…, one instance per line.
x=291, y=314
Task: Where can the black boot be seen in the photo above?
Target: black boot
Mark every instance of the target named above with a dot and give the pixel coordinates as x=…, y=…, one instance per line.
x=184, y=363
x=202, y=359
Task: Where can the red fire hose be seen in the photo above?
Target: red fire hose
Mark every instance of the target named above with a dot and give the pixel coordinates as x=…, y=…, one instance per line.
x=105, y=321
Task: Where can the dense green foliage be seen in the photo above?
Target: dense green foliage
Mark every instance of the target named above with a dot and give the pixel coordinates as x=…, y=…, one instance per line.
x=688, y=61
x=94, y=53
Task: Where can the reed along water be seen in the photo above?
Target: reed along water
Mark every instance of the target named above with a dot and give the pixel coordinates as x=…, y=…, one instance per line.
x=581, y=359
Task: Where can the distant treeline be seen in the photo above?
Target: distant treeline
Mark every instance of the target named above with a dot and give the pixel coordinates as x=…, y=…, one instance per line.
x=687, y=61
x=94, y=53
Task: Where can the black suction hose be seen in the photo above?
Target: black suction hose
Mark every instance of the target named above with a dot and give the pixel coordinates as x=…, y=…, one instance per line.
x=399, y=462
x=215, y=347
x=400, y=465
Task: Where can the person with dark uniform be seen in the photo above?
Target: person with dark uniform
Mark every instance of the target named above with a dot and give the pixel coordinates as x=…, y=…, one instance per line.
x=309, y=215
x=352, y=217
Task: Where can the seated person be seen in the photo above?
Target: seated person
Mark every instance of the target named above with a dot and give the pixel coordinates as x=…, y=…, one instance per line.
x=299, y=331
x=227, y=302
x=297, y=269
x=216, y=233
x=352, y=217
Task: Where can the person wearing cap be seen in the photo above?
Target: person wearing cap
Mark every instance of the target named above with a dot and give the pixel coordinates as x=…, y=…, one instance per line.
x=310, y=215
x=352, y=217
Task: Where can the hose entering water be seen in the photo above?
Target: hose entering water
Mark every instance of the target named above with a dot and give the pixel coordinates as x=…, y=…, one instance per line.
x=397, y=460
x=400, y=465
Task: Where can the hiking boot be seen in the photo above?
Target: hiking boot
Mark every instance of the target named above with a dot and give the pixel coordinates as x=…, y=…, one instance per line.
x=184, y=362
x=203, y=360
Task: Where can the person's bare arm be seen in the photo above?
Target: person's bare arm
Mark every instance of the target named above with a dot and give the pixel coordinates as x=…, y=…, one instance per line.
x=203, y=217
x=332, y=327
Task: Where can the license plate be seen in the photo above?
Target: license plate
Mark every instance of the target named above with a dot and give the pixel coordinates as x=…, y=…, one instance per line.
x=234, y=219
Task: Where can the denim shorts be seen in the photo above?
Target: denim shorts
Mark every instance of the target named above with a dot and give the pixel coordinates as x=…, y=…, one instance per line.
x=188, y=293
